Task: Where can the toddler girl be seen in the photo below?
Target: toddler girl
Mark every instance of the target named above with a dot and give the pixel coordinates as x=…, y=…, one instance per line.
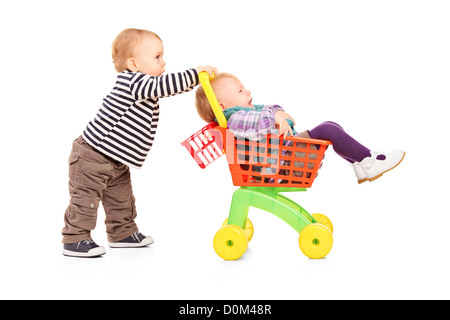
x=255, y=121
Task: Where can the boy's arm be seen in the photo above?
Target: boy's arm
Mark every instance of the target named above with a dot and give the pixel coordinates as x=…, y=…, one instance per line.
x=253, y=125
x=143, y=86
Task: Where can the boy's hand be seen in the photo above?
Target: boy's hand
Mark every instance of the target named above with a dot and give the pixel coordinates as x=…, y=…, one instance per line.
x=210, y=70
x=283, y=126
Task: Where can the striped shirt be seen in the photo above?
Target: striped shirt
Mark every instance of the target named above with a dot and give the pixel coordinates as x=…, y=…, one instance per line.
x=125, y=125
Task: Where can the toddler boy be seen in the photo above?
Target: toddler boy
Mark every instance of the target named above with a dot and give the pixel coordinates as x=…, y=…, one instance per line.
x=121, y=135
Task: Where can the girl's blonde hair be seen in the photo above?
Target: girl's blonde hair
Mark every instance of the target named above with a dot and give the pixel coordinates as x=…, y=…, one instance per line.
x=125, y=43
x=201, y=101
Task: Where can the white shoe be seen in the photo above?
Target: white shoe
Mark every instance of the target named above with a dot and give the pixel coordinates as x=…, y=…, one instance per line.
x=374, y=168
x=360, y=174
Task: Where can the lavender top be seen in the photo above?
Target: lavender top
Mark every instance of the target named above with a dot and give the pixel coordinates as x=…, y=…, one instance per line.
x=252, y=124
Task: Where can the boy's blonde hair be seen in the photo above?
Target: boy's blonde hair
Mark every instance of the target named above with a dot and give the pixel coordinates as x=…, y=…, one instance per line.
x=201, y=101
x=125, y=43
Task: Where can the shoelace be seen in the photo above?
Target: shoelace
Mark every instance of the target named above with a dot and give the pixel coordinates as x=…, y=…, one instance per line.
x=86, y=242
x=135, y=236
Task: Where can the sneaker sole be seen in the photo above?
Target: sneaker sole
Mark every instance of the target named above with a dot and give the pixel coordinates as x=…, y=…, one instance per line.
x=143, y=243
x=362, y=180
x=96, y=252
x=379, y=175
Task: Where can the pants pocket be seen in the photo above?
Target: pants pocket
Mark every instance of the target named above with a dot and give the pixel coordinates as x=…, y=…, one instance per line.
x=73, y=160
x=82, y=213
x=102, y=168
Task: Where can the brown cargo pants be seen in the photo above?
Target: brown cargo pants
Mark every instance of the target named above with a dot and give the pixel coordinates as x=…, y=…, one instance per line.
x=94, y=177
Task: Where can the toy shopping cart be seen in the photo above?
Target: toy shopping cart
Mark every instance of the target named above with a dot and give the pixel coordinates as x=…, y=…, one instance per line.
x=263, y=169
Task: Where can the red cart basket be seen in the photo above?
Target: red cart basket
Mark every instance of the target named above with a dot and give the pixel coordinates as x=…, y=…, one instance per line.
x=263, y=169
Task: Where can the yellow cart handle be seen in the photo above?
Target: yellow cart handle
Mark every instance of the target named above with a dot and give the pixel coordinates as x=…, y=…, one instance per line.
x=206, y=84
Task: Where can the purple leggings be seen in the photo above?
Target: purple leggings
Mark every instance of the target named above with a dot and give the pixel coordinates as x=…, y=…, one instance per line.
x=343, y=144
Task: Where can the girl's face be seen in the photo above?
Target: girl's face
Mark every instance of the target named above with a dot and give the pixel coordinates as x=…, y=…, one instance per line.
x=148, y=57
x=230, y=92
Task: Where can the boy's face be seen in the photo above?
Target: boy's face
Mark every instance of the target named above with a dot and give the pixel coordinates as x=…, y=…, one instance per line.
x=148, y=57
x=230, y=92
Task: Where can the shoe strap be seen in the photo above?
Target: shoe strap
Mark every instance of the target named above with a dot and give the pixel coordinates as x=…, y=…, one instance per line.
x=369, y=162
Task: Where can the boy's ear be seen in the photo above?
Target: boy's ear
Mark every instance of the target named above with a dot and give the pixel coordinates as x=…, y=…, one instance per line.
x=131, y=64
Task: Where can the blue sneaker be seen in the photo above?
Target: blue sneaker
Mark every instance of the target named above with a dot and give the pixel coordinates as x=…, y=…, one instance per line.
x=83, y=249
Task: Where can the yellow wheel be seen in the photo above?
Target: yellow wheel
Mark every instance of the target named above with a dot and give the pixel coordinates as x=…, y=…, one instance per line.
x=323, y=219
x=230, y=242
x=248, y=228
x=315, y=241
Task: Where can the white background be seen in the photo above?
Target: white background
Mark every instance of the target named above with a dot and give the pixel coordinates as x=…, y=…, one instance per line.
x=379, y=68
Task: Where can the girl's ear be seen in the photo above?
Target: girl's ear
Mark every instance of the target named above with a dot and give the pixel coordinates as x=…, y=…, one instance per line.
x=132, y=65
x=221, y=106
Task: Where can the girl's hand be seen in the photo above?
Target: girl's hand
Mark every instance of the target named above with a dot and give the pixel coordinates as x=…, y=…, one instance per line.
x=208, y=69
x=283, y=126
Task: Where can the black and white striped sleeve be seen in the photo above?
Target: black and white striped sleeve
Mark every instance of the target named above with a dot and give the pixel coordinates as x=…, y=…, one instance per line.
x=143, y=86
